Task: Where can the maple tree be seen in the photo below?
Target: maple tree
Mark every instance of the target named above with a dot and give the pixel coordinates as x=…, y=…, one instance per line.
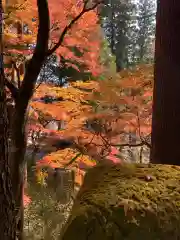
x=25, y=87
x=100, y=114
x=81, y=146
x=21, y=30
x=123, y=106
x=53, y=140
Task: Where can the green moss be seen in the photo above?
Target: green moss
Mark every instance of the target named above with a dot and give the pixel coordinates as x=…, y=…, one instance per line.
x=130, y=202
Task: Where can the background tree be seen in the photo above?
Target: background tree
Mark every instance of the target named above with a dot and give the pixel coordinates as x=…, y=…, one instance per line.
x=129, y=28
x=107, y=59
x=115, y=16
x=146, y=27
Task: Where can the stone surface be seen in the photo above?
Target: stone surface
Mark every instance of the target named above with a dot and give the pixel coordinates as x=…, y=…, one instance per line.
x=127, y=202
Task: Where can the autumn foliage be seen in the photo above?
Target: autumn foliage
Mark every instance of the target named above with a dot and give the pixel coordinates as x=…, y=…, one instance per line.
x=114, y=106
x=20, y=33
x=95, y=114
x=128, y=99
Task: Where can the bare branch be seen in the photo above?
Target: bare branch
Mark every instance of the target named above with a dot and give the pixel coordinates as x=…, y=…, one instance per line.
x=139, y=132
x=143, y=143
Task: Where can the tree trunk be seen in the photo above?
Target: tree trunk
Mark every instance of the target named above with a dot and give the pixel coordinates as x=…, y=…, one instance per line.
x=18, y=143
x=166, y=106
x=18, y=172
x=7, y=207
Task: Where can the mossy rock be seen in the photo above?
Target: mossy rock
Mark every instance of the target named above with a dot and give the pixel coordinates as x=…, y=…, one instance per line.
x=129, y=202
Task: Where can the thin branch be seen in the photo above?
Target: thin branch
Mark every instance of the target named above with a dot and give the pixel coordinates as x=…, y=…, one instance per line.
x=69, y=26
x=139, y=132
x=143, y=143
x=38, y=85
x=20, y=7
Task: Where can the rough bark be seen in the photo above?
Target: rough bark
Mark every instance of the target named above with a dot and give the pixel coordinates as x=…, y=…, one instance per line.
x=166, y=107
x=132, y=202
x=7, y=207
x=18, y=143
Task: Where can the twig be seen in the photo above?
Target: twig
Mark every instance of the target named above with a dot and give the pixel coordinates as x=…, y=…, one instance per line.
x=143, y=143
x=69, y=26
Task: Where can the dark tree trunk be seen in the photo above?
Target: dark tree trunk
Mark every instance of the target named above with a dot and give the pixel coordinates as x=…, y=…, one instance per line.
x=166, y=107
x=7, y=207
x=25, y=92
